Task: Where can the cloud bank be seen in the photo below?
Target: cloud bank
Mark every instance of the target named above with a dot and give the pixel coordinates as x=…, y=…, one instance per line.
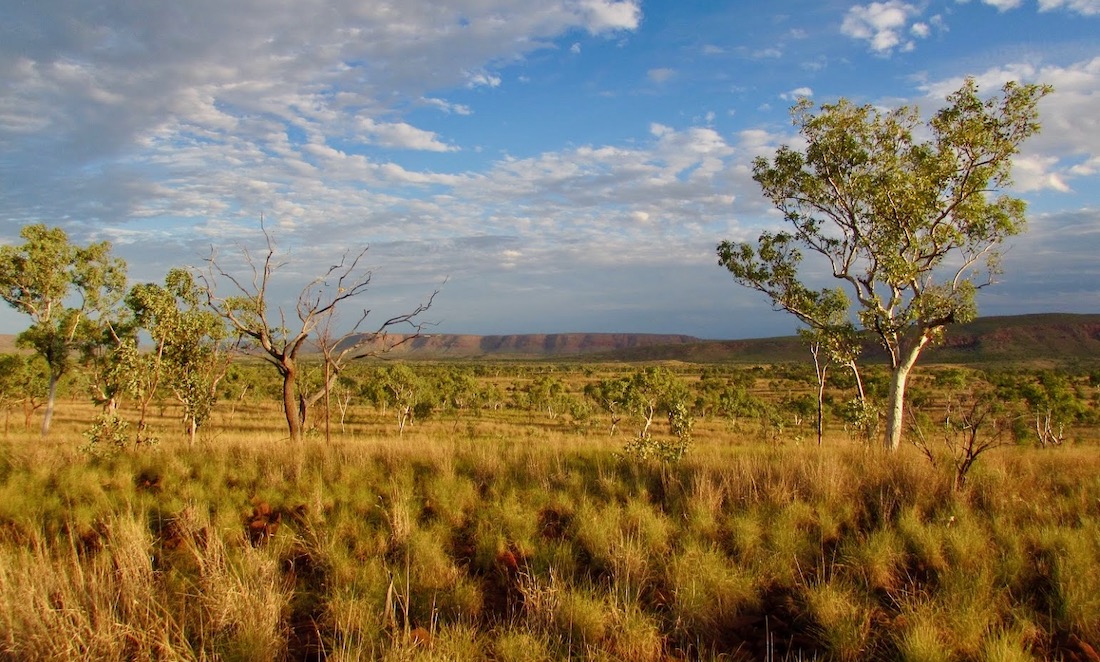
x=170, y=129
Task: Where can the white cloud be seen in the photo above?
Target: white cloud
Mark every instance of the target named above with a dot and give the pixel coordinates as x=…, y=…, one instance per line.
x=1035, y=173
x=883, y=25
x=659, y=129
x=447, y=107
x=229, y=107
x=95, y=78
x=661, y=74
x=1085, y=7
x=817, y=64
x=670, y=190
x=765, y=53
x=1070, y=136
x=603, y=15
x=797, y=93
x=1003, y=5
x=756, y=141
x=482, y=79
x=168, y=131
x=402, y=136
x=1087, y=168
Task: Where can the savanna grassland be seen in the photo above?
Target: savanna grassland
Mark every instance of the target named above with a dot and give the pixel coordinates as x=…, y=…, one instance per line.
x=508, y=523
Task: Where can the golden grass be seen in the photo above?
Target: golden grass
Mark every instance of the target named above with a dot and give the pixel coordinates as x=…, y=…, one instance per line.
x=513, y=537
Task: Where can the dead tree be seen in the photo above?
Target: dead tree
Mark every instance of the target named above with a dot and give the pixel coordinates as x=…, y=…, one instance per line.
x=280, y=340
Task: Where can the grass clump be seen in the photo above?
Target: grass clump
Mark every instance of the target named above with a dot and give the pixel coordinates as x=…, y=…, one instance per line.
x=843, y=617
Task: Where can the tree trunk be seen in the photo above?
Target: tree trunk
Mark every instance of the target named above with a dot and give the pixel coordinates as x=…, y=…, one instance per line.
x=48, y=416
x=895, y=412
x=405, y=414
x=821, y=404
x=651, y=411
x=290, y=403
x=859, y=381
x=821, y=370
x=328, y=409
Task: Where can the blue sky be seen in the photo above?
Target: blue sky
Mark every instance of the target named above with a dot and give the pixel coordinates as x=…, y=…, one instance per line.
x=562, y=165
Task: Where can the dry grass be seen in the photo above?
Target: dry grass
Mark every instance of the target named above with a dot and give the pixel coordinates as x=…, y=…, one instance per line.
x=512, y=537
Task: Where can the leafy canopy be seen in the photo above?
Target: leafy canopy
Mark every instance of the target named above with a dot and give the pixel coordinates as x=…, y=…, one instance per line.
x=904, y=214
x=64, y=288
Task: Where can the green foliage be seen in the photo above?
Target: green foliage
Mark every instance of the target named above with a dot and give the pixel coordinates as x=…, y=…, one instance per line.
x=662, y=450
x=728, y=395
x=459, y=390
x=547, y=393
x=41, y=277
x=188, y=346
x=800, y=407
x=24, y=380
x=610, y=396
x=1049, y=402
x=861, y=417
x=38, y=276
x=680, y=421
x=651, y=391
x=644, y=395
x=108, y=434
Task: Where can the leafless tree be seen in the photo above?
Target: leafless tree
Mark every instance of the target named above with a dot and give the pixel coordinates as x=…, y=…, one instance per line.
x=970, y=428
x=279, y=340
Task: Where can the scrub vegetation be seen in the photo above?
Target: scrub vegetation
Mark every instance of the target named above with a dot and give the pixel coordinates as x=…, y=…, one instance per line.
x=511, y=511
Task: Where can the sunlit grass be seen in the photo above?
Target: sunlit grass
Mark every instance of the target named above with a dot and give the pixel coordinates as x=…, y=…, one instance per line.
x=506, y=541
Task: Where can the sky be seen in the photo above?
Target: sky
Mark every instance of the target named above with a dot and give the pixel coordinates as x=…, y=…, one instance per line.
x=548, y=165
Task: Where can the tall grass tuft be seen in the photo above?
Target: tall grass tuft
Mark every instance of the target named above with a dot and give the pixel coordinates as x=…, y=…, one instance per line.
x=69, y=603
x=844, y=619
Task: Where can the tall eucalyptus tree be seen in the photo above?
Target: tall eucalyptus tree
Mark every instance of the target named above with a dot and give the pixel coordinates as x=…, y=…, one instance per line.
x=904, y=214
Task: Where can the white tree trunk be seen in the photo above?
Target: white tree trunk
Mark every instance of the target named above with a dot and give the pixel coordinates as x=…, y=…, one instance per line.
x=895, y=413
x=50, y=399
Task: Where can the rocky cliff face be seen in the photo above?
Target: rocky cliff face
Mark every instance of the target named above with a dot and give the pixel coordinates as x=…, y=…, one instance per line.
x=531, y=344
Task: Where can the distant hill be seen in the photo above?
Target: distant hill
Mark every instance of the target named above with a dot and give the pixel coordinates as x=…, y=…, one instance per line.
x=1048, y=337
x=534, y=345
x=780, y=349
x=1043, y=337
x=1052, y=337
